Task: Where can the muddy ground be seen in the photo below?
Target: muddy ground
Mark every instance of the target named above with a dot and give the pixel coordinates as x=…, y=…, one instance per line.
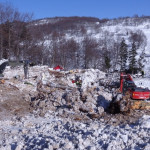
x=13, y=102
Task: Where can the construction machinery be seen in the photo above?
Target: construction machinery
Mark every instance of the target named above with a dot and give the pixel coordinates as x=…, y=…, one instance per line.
x=136, y=93
x=129, y=96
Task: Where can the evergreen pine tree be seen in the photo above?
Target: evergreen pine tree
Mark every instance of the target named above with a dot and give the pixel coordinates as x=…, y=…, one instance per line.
x=123, y=54
x=107, y=61
x=140, y=61
x=132, y=59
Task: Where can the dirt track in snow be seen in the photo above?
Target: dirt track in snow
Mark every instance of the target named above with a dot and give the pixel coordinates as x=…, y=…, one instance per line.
x=12, y=102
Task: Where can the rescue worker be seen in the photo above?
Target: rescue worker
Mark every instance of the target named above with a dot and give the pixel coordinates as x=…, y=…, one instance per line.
x=26, y=69
x=142, y=72
x=78, y=81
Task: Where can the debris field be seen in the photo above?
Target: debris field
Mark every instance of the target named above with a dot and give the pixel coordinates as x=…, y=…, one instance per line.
x=66, y=110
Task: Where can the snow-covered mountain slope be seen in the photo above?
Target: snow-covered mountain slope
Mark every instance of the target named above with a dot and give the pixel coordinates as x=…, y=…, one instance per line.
x=122, y=31
x=107, y=33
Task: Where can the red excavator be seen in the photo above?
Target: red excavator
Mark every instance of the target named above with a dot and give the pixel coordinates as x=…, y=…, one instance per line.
x=139, y=97
x=129, y=96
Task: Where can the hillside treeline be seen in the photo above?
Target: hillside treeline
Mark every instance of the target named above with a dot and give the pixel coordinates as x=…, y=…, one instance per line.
x=72, y=42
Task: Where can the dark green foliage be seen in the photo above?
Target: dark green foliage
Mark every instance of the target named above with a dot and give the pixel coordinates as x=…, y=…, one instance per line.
x=132, y=59
x=107, y=61
x=140, y=61
x=123, y=54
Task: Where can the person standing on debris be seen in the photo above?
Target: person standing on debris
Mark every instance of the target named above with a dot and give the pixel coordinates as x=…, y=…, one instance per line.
x=142, y=72
x=78, y=81
x=26, y=69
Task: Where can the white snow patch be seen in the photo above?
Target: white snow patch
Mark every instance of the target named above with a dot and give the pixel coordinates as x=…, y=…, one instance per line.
x=145, y=122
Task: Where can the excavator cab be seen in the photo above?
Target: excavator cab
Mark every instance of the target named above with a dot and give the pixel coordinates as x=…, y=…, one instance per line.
x=125, y=82
x=128, y=86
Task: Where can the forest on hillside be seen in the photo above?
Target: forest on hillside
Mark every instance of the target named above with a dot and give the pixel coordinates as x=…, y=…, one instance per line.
x=71, y=41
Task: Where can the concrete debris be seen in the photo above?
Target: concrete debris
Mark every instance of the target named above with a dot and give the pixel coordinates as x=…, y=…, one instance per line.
x=72, y=100
x=58, y=92
x=55, y=113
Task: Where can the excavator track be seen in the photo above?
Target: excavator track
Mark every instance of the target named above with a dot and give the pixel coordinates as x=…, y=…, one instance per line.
x=133, y=104
x=126, y=104
x=140, y=104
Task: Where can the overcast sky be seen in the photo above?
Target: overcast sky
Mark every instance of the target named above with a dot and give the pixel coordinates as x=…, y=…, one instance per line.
x=93, y=8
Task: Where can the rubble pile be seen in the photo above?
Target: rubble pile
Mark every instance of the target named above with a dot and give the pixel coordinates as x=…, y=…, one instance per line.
x=79, y=102
x=66, y=110
x=52, y=132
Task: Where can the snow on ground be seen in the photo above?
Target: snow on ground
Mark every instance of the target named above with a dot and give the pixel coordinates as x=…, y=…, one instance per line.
x=142, y=82
x=3, y=60
x=91, y=76
x=53, y=132
x=16, y=77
